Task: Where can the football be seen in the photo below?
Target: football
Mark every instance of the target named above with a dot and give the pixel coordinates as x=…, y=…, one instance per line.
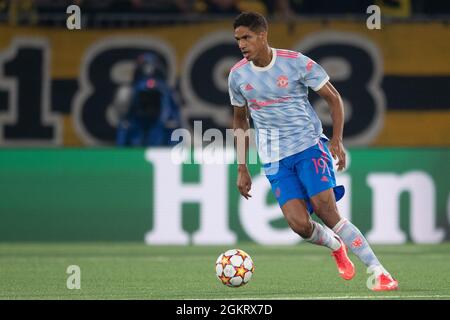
x=234, y=268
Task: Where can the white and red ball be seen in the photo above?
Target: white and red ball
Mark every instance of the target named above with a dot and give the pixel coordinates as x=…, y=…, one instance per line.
x=234, y=268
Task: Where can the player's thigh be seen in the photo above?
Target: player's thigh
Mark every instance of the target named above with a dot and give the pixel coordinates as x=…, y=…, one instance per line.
x=315, y=171
x=290, y=194
x=285, y=184
x=316, y=174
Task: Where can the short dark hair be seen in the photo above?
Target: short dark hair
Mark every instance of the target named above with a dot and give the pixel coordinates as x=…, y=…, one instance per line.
x=252, y=20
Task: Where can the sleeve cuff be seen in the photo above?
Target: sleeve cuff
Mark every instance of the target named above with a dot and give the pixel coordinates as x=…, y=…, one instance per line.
x=317, y=88
x=234, y=104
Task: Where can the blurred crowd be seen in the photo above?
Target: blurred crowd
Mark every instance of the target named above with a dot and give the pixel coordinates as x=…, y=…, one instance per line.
x=37, y=11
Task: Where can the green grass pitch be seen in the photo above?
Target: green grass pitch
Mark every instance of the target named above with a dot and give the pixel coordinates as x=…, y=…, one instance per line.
x=137, y=271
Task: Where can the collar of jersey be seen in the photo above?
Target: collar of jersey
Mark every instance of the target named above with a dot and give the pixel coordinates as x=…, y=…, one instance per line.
x=270, y=65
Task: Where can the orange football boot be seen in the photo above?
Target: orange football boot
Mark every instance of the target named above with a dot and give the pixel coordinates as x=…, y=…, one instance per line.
x=385, y=282
x=344, y=264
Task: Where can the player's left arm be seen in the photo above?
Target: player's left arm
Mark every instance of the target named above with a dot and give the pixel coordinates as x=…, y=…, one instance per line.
x=333, y=98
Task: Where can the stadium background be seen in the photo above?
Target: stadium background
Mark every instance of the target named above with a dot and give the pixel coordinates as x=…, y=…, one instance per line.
x=62, y=179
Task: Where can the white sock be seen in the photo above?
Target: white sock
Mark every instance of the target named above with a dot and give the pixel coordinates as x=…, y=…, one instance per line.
x=323, y=237
x=377, y=270
x=356, y=242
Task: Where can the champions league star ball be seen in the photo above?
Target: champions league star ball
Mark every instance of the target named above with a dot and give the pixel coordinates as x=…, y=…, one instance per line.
x=234, y=268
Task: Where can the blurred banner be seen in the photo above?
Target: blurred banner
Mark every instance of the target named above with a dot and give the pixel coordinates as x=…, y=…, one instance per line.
x=393, y=195
x=61, y=87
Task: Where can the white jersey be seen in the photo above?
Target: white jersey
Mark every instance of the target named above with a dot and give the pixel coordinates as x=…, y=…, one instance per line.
x=277, y=97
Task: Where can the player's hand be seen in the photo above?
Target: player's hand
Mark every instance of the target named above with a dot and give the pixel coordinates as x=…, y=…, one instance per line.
x=337, y=151
x=244, y=182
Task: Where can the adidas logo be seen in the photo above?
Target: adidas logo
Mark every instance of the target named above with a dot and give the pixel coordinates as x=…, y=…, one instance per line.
x=248, y=87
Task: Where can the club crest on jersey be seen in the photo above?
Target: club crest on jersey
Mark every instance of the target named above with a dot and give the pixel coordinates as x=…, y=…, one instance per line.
x=282, y=82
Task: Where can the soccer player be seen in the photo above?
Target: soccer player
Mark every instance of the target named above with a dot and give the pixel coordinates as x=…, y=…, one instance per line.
x=272, y=85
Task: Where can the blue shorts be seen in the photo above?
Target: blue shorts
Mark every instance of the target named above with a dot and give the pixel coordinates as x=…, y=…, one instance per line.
x=303, y=175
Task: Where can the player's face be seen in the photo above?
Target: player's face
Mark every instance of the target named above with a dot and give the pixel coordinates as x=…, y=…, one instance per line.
x=250, y=43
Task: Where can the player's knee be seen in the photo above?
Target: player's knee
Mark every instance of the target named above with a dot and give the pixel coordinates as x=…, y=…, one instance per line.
x=304, y=229
x=325, y=208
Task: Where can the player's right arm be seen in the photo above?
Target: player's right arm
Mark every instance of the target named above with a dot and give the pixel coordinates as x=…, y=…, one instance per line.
x=315, y=77
x=241, y=133
x=241, y=138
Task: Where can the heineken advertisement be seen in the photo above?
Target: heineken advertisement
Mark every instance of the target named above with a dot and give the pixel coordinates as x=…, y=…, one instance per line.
x=393, y=195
